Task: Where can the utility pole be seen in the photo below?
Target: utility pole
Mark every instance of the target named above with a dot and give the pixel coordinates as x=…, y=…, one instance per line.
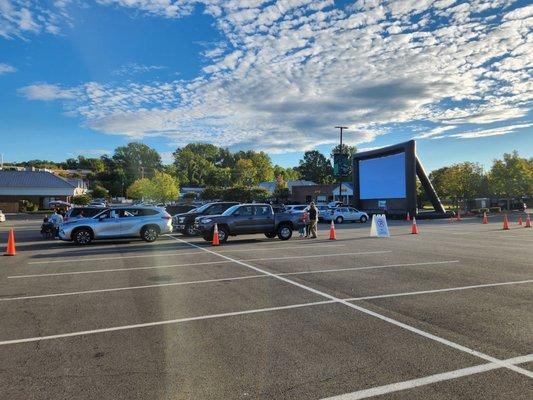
x=341, y=128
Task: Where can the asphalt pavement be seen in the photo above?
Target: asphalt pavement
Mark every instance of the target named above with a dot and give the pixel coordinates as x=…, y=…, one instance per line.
x=445, y=314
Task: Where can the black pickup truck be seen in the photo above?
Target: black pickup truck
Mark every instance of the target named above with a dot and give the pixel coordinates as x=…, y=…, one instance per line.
x=184, y=222
x=249, y=218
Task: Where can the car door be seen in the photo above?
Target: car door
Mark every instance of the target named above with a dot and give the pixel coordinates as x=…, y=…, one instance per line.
x=352, y=212
x=108, y=225
x=263, y=219
x=129, y=222
x=243, y=219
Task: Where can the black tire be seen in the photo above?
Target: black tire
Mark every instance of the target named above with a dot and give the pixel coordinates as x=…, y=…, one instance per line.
x=189, y=230
x=284, y=232
x=363, y=219
x=150, y=233
x=223, y=234
x=208, y=238
x=270, y=235
x=339, y=220
x=82, y=236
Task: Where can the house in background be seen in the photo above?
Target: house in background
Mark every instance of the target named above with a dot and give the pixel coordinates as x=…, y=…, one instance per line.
x=39, y=187
x=271, y=186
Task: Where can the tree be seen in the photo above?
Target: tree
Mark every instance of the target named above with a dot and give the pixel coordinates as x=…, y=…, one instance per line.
x=512, y=176
x=140, y=189
x=99, y=192
x=288, y=174
x=164, y=188
x=315, y=167
x=459, y=181
x=281, y=192
x=350, y=150
x=81, y=200
x=137, y=160
x=245, y=173
x=192, y=167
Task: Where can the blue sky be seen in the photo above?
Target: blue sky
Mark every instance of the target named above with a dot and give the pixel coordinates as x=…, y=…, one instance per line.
x=274, y=75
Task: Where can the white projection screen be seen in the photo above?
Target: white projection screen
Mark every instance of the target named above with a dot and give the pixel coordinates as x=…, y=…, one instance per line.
x=382, y=177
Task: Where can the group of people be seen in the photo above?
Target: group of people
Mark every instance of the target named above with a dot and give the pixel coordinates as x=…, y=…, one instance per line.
x=51, y=224
x=310, y=217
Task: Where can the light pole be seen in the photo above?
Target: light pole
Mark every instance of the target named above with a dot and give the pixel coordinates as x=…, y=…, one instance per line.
x=341, y=128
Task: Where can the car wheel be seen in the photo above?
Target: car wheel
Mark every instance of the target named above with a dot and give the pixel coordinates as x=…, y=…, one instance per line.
x=189, y=230
x=363, y=219
x=339, y=220
x=207, y=238
x=270, y=235
x=223, y=234
x=82, y=236
x=149, y=234
x=284, y=232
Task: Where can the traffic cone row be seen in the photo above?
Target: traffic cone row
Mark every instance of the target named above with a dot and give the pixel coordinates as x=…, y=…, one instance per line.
x=332, y=235
x=485, y=218
x=216, y=241
x=505, y=223
x=10, y=250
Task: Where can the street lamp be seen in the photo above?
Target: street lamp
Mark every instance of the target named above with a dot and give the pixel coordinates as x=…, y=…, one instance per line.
x=341, y=128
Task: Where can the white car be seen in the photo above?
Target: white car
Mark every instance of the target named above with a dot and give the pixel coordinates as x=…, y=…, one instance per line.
x=294, y=208
x=2, y=216
x=341, y=214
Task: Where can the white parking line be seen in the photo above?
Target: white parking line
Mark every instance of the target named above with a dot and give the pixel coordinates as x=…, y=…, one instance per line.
x=202, y=317
x=428, y=380
x=96, y=271
x=40, y=296
x=412, y=329
x=77, y=260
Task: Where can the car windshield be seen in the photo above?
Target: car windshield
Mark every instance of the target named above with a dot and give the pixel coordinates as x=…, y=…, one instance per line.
x=201, y=209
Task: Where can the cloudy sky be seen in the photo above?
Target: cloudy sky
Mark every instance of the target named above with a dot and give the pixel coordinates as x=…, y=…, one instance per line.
x=82, y=77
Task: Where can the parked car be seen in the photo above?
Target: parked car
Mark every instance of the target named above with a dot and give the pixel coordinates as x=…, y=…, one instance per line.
x=184, y=222
x=249, y=218
x=82, y=212
x=322, y=209
x=295, y=208
x=2, y=216
x=118, y=222
x=341, y=214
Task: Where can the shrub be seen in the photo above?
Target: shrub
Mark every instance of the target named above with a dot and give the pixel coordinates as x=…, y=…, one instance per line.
x=81, y=200
x=495, y=209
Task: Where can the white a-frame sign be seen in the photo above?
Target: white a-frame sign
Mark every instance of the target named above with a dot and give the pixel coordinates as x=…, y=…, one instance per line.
x=379, y=227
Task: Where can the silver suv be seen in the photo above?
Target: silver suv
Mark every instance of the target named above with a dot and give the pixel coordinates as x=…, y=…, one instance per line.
x=136, y=221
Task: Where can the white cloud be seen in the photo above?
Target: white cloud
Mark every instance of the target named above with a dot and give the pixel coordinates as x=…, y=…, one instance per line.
x=289, y=70
x=6, y=68
x=46, y=92
x=136, y=68
x=491, y=132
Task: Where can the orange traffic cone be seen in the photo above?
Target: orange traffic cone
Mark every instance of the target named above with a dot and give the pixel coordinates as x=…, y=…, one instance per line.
x=528, y=222
x=10, y=251
x=414, y=228
x=408, y=218
x=520, y=220
x=485, y=218
x=505, y=223
x=216, y=241
x=332, y=235
x=450, y=220
x=458, y=215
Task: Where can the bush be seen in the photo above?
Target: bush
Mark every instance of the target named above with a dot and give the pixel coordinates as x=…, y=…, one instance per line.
x=99, y=192
x=211, y=193
x=26, y=205
x=495, y=209
x=238, y=193
x=81, y=200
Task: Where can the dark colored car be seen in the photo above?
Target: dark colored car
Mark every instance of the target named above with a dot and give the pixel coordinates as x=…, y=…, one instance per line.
x=249, y=218
x=184, y=222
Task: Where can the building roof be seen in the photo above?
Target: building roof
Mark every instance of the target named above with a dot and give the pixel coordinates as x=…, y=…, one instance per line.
x=32, y=179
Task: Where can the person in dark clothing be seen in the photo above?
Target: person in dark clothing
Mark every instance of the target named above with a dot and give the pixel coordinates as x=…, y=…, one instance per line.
x=313, y=220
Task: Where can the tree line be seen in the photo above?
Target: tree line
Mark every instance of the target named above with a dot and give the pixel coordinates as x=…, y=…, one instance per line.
x=136, y=171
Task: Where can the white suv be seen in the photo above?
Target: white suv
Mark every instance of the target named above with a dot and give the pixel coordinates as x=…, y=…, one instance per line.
x=341, y=214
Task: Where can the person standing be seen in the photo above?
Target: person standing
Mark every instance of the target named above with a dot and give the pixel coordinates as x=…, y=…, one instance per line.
x=56, y=219
x=313, y=220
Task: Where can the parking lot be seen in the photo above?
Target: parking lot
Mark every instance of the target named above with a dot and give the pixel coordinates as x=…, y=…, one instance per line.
x=445, y=314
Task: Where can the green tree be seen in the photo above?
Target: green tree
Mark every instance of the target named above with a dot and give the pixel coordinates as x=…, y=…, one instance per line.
x=315, y=167
x=140, y=189
x=350, y=150
x=281, y=192
x=164, y=188
x=245, y=173
x=99, y=192
x=81, y=200
x=288, y=174
x=512, y=176
x=192, y=167
x=137, y=160
x=458, y=182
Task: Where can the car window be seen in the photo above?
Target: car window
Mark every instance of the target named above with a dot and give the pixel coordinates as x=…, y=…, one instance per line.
x=262, y=210
x=245, y=211
x=216, y=209
x=128, y=213
x=148, y=212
